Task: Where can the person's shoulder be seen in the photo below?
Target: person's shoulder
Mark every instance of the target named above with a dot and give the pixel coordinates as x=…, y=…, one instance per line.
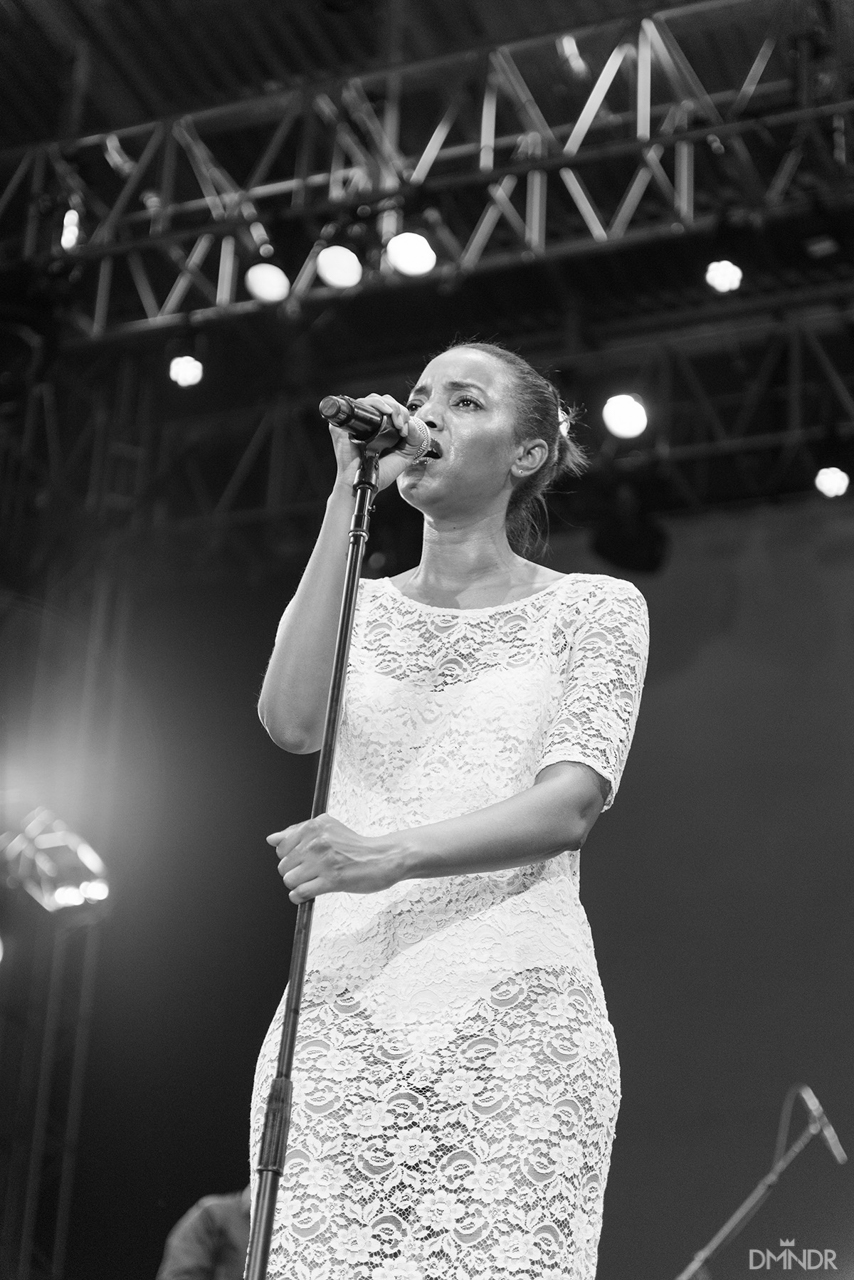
x=600, y=587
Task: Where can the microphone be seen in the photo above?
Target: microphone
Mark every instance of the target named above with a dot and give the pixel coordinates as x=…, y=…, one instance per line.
x=821, y=1123
x=366, y=424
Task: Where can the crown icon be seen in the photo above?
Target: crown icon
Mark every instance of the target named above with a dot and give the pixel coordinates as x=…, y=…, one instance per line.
x=787, y=1244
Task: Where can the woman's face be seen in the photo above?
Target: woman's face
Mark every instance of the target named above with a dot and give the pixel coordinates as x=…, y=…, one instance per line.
x=465, y=397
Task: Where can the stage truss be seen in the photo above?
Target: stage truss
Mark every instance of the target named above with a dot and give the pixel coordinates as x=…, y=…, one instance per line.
x=622, y=133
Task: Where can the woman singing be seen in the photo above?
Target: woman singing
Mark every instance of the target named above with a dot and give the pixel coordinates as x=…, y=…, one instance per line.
x=456, y=1079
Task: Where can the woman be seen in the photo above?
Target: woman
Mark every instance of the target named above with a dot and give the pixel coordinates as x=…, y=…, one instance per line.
x=456, y=1078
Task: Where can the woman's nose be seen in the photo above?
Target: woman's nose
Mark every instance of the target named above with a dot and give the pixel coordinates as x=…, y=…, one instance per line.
x=429, y=414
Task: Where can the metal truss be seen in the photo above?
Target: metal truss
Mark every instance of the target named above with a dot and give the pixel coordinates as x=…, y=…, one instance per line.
x=590, y=140
x=751, y=424
x=105, y=483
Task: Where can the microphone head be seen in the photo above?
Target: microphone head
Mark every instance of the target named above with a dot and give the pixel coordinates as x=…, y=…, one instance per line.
x=336, y=409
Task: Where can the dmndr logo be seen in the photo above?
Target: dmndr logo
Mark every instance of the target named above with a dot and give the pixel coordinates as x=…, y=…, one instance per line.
x=788, y=1260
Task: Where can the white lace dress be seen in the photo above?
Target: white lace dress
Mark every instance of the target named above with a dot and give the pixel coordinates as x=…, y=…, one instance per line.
x=456, y=1080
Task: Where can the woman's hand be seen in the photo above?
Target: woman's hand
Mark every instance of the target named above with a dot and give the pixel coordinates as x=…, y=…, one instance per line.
x=347, y=451
x=324, y=856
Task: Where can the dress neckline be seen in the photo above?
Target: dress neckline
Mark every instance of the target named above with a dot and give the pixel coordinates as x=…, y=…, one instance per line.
x=487, y=608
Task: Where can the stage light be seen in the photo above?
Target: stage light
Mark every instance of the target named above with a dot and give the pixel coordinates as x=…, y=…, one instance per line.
x=267, y=282
x=624, y=416
x=186, y=370
x=339, y=267
x=68, y=895
x=55, y=866
x=410, y=254
x=70, y=229
x=723, y=276
x=832, y=482
x=95, y=890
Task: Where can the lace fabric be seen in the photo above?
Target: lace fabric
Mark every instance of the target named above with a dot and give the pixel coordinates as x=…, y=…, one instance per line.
x=456, y=1082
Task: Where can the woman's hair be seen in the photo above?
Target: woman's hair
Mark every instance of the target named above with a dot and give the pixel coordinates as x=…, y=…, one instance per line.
x=541, y=414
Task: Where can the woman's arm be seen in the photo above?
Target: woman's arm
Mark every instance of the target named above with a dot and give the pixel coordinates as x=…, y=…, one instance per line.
x=556, y=813
x=292, y=705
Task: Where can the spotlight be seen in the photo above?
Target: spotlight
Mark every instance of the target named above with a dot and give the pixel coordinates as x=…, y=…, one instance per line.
x=410, y=254
x=186, y=370
x=55, y=866
x=70, y=229
x=832, y=481
x=624, y=416
x=723, y=276
x=339, y=267
x=267, y=282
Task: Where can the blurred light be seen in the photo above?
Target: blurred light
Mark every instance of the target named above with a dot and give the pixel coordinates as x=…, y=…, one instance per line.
x=339, y=267
x=70, y=229
x=723, y=276
x=54, y=865
x=410, y=254
x=95, y=890
x=567, y=48
x=1, y=950
x=186, y=370
x=819, y=247
x=267, y=282
x=68, y=895
x=624, y=416
x=832, y=482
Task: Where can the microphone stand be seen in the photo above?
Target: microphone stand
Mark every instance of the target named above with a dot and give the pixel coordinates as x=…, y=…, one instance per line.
x=277, y=1116
x=782, y=1159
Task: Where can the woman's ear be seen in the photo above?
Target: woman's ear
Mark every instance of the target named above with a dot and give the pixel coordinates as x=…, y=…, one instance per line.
x=530, y=456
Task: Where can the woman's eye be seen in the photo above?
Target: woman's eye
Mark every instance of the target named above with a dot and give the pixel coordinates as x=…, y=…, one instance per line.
x=413, y=407
x=466, y=400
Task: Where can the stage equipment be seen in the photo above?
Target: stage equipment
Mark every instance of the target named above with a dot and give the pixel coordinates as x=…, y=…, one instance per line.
x=832, y=481
x=274, y=1137
x=819, y=1124
x=590, y=141
x=55, y=866
x=47, y=992
x=339, y=267
x=411, y=254
x=267, y=282
x=625, y=416
x=723, y=276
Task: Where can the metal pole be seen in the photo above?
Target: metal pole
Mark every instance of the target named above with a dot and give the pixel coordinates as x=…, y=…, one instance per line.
x=82, y=1028
x=40, y=1118
x=277, y=1117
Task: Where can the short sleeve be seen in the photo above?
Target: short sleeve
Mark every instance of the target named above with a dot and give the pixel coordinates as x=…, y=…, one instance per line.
x=594, y=719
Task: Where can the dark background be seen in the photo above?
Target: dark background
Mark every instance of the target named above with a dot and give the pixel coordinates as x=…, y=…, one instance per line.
x=719, y=891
